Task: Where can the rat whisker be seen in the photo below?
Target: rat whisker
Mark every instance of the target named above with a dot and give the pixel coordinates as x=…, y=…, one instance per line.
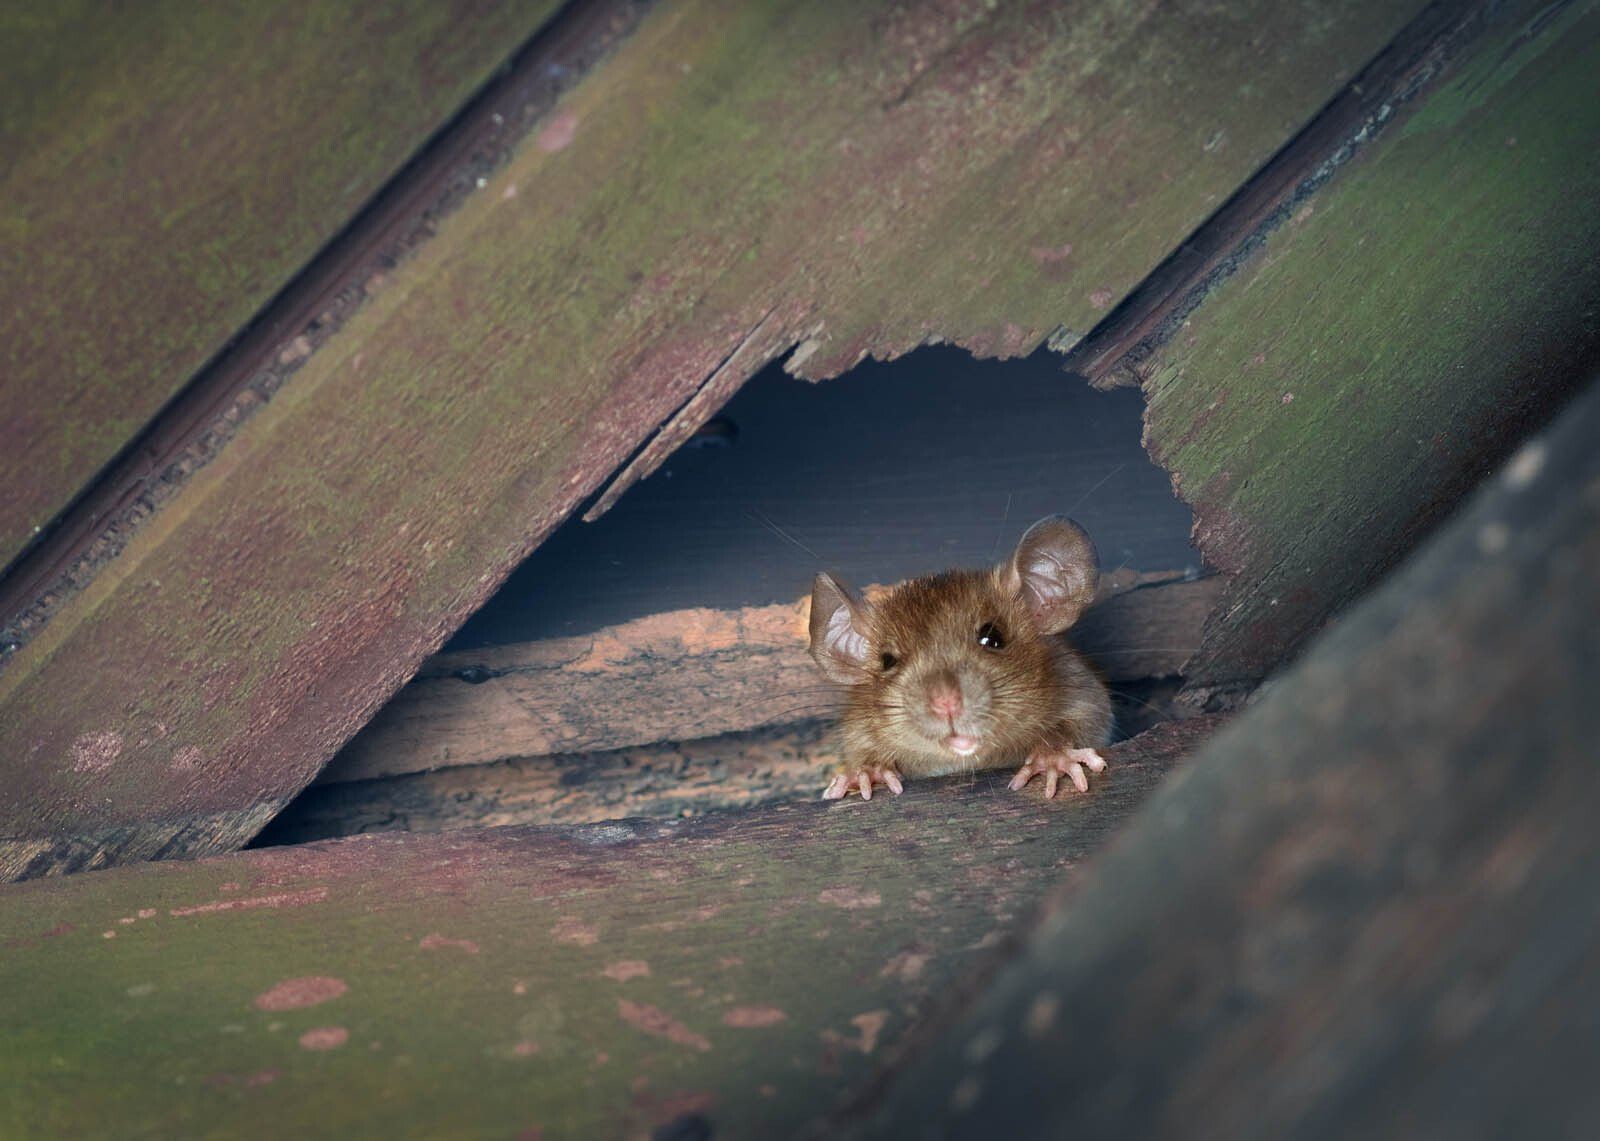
x=1000, y=532
x=765, y=520
x=1092, y=490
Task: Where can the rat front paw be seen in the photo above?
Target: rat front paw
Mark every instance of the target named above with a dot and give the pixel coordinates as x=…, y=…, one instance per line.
x=861, y=780
x=1053, y=764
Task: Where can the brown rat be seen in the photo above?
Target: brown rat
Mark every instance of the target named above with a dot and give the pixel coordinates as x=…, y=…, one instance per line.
x=968, y=669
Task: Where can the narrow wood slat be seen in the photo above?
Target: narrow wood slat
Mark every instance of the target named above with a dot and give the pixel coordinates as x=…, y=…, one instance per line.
x=167, y=168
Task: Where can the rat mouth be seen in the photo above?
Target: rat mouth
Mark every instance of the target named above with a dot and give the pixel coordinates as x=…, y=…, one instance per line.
x=962, y=745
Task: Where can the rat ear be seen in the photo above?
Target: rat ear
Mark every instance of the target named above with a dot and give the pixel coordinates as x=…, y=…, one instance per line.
x=1055, y=571
x=838, y=631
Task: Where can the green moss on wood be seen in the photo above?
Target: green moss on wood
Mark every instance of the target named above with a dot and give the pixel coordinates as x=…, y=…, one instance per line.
x=594, y=982
x=168, y=167
x=1390, y=341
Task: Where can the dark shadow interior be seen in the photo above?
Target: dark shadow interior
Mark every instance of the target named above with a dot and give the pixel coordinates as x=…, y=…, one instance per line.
x=897, y=469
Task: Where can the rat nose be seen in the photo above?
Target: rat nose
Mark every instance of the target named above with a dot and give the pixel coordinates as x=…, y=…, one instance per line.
x=944, y=695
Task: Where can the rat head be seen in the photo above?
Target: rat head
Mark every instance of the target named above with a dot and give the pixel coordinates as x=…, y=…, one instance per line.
x=958, y=665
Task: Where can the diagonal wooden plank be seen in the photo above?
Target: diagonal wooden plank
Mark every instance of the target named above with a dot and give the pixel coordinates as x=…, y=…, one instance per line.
x=870, y=175
x=587, y=982
x=166, y=168
x=1322, y=407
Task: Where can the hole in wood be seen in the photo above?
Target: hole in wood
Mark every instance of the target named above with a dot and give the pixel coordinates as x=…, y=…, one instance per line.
x=653, y=663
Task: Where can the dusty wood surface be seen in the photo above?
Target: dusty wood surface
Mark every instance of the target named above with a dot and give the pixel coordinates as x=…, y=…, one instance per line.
x=1375, y=356
x=1367, y=908
x=867, y=176
x=167, y=169
x=668, y=780
x=694, y=673
x=746, y=969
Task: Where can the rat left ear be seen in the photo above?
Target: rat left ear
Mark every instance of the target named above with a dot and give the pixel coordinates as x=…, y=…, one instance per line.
x=1055, y=571
x=838, y=631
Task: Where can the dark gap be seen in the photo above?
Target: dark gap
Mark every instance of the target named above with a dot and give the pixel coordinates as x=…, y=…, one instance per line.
x=894, y=470
x=897, y=469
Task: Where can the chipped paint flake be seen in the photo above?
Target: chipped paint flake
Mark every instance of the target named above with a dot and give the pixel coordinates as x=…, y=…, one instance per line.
x=324, y=1038
x=658, y=1023
x=294, y=994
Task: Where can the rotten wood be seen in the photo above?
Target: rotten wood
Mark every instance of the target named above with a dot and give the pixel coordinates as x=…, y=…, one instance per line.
x=692, y=674
x=1367, y=907
x=167, y=170
x=1324, y=405
x=902, y=172
x=735, y=973
x=1116, y=351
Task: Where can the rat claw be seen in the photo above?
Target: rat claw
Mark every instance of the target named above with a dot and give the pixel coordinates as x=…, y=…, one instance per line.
x=1071, y=763
x=864, y=783
x=1096, y=763
x=836, y=788
x=893, y=781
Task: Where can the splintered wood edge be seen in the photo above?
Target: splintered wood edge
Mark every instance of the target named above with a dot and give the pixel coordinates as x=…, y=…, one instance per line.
x=696, y=673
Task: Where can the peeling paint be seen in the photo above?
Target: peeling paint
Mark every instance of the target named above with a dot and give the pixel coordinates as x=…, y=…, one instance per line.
x=293, y=994
x=657, y=1022
x=324, y=1038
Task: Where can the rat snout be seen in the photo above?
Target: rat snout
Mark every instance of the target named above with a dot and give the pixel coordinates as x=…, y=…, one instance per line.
x=944, y=696
x=954, y=704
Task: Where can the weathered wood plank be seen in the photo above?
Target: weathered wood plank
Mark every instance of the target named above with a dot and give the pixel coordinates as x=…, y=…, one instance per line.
x=167, y=168
x=1367, y=908
x=866, y=175
x=586, y=982
x=695, y=673
x=668, y=780
x=1387, y=343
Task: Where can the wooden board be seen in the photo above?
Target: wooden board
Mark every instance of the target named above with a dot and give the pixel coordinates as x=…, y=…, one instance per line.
x=741, y=969
x=168, y=167
x=695, y=673
x=860, y=179
x=1367, y=908
x=667, y=780
x=1392, y=338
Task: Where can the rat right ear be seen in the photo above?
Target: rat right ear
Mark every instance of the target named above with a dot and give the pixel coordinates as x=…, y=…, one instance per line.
x=1054, y=570
x=838, y=631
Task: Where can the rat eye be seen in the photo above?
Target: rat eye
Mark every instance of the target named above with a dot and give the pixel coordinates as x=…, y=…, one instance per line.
x=889, y=661
x=990, y=638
